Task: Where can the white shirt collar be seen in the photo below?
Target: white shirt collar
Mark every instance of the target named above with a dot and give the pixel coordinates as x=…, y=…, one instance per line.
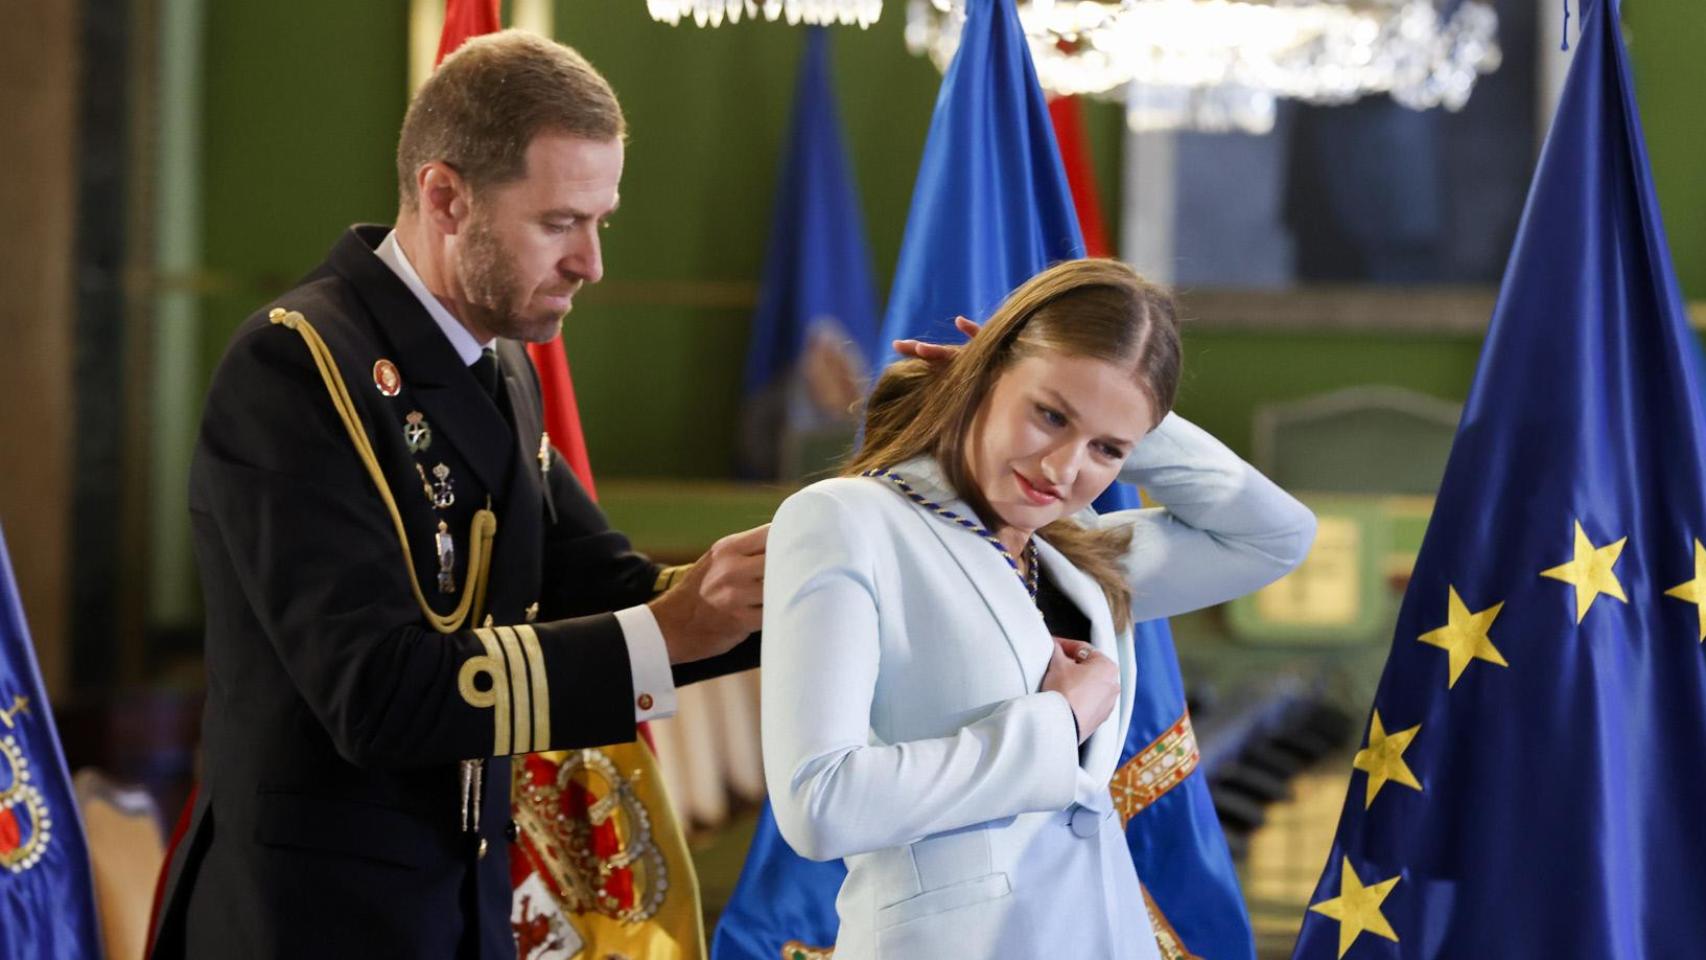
x=390, y=252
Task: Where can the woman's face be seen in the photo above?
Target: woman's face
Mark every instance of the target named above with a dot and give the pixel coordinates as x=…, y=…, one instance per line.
x=1051, y=436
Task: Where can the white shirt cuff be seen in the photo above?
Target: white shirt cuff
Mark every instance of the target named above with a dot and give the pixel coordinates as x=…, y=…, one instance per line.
x=648, y=661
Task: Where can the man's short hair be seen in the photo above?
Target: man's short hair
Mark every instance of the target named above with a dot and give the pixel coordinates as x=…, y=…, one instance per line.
x=486, y=102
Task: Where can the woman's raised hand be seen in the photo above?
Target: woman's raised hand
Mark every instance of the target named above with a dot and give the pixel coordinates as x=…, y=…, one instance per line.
x=1089, y=681
x=937, y=353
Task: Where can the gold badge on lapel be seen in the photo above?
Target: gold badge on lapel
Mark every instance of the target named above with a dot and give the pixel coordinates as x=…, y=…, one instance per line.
x=386, y=377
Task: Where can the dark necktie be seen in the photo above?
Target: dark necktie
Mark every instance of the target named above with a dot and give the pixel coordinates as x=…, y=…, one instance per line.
x=485, y=371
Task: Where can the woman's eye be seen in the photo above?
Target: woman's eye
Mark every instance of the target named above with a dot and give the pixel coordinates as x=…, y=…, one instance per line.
x=1110, y=451
x=1051, y=417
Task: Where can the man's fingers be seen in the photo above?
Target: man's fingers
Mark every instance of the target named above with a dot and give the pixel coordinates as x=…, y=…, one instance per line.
x=745, y=571
x=747, y=542
x=736, y=582
x=967, y=326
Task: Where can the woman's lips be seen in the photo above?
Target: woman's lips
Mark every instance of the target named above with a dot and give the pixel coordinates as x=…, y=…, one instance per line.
x=1041, y=498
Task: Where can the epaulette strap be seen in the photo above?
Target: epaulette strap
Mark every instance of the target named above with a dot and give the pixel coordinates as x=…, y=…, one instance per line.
x=481, y=531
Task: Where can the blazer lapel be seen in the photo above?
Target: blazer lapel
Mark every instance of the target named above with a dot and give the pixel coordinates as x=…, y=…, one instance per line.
x=1101, y=752
x=458, y=408
x=995, y=582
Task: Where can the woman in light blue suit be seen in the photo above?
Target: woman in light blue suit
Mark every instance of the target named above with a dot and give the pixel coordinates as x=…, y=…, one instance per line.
x=948, y=665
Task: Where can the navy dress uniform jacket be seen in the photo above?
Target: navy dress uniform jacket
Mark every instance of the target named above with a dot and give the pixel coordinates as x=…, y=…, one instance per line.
x=329, y=821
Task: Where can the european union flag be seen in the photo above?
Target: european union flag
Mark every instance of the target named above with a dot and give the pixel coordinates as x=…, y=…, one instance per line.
x=814, y=337
x=46, y=896
x=1531, y=785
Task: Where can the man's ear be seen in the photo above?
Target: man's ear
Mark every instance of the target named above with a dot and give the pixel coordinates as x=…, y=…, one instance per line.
x=443, y=196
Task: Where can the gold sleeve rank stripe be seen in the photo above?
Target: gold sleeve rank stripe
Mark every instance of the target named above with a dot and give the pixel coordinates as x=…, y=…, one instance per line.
x=517, y=689
x=669, y=577
x=540, y=687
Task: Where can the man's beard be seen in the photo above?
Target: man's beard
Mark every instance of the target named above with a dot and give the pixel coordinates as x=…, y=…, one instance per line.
x=489, y=281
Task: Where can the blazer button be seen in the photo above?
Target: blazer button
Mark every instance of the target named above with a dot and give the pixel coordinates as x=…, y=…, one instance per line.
x=482, y=854
x=644, y=701
x=1085, y=822
x=512, y=831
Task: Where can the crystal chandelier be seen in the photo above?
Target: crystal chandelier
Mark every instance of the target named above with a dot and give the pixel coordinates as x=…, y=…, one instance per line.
x=1223, y=64
x=1197, y=64
x=712, y=13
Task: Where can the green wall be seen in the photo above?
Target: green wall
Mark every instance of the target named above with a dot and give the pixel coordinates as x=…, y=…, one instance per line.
x=1228, y=375
x=657, y=353
x=303, y=102
x=302, y=107
x=1667, y=40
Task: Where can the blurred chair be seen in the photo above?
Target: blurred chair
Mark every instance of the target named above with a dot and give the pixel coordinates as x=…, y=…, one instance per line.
x=1368, y=460
x=1367, y=439
x=125, y=852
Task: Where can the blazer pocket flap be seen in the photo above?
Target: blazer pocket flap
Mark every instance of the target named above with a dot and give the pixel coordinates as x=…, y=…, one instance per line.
x=338, y=825
x=952, y=897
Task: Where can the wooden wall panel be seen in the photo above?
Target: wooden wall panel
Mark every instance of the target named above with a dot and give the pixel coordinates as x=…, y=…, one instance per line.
x=38, y=79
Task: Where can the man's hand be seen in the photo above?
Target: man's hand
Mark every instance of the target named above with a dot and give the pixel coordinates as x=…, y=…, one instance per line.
x=718, y=602
x=937, y=354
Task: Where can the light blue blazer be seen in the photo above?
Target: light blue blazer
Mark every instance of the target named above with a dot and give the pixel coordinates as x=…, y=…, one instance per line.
x=903, y=725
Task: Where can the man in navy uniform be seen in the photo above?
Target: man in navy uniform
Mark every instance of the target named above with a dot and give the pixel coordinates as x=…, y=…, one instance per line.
x=405, y=584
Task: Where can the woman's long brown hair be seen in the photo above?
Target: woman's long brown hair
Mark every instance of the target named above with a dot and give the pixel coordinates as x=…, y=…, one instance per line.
x=1080, y=308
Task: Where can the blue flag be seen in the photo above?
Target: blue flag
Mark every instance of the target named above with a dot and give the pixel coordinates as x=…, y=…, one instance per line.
x=783, y=907
x=1532, y=785
x=991, y=208
x=814, y=337
x=47, y=902
x=817, y=296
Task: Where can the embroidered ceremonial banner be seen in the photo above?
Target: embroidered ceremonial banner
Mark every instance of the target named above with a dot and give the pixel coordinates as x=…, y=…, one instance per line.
x=1158, y=767
x=47, y=900
x=814, y=336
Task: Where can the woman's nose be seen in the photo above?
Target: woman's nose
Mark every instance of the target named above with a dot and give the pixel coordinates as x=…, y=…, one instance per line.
x=1060, y=465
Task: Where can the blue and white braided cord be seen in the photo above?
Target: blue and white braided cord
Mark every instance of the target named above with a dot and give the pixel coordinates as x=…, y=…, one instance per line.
x=1029, y=579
